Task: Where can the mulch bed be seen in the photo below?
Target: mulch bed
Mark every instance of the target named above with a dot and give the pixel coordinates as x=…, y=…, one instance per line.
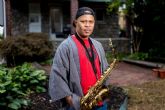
x=42, y=101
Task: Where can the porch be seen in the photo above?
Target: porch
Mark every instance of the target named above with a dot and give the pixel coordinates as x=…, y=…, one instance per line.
x=55, y=18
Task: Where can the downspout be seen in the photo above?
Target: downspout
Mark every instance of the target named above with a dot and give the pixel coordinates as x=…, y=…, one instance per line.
x=4, y=17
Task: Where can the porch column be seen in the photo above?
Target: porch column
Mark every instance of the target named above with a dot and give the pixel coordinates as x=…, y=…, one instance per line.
x=8, y=18
x=73, y=9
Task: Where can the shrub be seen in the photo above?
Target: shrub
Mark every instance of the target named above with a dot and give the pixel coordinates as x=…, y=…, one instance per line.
x=118, y=56
x=29, y=47
x=17, y=83
x=138, y=56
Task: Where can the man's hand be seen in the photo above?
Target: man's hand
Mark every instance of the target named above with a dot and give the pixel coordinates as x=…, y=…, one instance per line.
x=69, y=100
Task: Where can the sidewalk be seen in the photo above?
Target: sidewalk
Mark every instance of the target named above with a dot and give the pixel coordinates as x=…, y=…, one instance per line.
x=131, y=74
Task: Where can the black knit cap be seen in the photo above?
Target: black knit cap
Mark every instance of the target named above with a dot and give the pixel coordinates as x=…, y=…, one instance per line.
x=83, y=11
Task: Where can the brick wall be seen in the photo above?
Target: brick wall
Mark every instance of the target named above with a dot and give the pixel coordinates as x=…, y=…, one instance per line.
x=121, y=45
x=20, y=23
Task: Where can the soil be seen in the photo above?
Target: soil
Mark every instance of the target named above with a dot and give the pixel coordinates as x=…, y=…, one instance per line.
x=42, y=101
x=117, y=96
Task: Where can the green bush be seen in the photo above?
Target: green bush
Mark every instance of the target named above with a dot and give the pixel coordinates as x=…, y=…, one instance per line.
x=138, y=56
x=47, y=62
x=118, y=56
x=157, y=52
x=26, y=48
x=17, y=83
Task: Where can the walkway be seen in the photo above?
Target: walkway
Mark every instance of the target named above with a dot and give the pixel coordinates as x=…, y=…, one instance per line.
x=130, y=74
x=127, y=74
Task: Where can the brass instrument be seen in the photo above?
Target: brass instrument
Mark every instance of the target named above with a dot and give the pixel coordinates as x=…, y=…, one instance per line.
x=96, y=92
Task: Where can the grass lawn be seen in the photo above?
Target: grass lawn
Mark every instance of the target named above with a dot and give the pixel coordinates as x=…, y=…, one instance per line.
x=147, y=96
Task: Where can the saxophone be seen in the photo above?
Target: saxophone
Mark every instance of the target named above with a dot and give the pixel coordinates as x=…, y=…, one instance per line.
x=96, y=92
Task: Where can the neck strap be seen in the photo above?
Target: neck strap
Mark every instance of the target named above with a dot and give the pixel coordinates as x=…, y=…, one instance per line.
x=91, y=57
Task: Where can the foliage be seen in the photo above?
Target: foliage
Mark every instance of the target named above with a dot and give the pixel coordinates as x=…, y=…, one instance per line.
x=1, y=37
x=19, y=82
x=25, y=48
x=110, y=57
x=154, y=35
x=47, y=62
x=157, y=54
x=1, y=33
x=116, y=5
x=132, y=10
x=143, y=17
x=138, y=56
x=113, y=6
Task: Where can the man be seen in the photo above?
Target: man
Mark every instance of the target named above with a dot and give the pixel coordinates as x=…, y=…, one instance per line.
x=78, y=62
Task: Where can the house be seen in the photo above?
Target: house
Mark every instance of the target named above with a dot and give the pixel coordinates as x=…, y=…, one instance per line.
x=55, y=17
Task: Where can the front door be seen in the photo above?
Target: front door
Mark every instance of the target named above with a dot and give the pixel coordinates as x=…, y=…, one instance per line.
x=55, y=22
x=34, y=17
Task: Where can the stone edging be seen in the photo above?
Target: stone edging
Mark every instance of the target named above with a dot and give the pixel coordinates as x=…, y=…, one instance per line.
x=145, y=63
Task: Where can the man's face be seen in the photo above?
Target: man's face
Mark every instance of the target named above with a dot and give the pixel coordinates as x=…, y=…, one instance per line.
x=85, y=25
